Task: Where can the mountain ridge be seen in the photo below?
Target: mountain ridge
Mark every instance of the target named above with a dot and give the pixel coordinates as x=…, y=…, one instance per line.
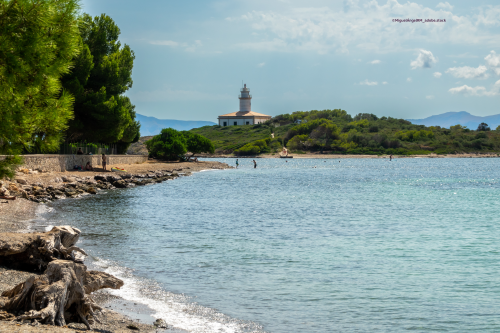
x=463, y=118
x=153, y=126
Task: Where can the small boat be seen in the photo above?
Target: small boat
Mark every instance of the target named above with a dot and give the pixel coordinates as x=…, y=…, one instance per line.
x=286, y=156
x=118, y=170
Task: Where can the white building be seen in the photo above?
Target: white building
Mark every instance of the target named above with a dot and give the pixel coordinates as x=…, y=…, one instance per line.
x=245, y=116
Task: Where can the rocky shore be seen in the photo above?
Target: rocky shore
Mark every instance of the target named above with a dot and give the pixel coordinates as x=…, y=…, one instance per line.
x=32, y=188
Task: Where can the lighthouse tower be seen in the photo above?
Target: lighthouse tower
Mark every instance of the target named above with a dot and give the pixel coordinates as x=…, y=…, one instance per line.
x=245, y=99
x=245, y=116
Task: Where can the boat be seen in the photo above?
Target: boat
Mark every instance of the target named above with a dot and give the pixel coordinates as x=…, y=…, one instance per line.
x=286, y=156
x=118, y=170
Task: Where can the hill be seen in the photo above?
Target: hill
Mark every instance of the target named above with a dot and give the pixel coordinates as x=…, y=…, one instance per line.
x=152, y=126
x=336, y=132
x=462, y=118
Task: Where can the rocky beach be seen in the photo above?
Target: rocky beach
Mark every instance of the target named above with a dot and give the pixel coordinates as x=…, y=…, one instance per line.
x=33, y=188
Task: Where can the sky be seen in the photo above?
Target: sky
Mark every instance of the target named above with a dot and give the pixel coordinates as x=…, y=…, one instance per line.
x=359, y=56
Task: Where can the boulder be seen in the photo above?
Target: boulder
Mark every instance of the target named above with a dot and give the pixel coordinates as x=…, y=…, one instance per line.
x=22, y=181
x=120, y=183
x=112, y=178
x=68, y=179
x=91, y=190
x=99, y=177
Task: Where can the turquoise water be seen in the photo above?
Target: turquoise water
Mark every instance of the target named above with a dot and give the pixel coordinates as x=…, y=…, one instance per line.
x=364, y=245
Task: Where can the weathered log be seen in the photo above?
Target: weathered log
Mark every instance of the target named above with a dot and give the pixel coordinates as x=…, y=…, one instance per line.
x=34, y=251
x=60, y=295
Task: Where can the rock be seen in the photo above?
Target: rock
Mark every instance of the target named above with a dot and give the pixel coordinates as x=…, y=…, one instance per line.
x=126, y=175
x=68, y=179
x=91, y=190
x=99, y=177
x=22, y=181
x=4, y=191
x=112, y=178
x=120, y=183
x=13, y=187
x=133, y=327
x=160, y=323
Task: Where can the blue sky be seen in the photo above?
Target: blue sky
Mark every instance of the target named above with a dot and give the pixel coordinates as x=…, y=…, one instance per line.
x=191, y=56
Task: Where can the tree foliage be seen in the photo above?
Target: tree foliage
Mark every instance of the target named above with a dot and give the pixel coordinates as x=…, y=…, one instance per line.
x=172, y=145
x=102, y=74
x=483, y=127
x=38, y=40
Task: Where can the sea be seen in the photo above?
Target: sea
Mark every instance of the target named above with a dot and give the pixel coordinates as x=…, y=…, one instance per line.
x=305, y=245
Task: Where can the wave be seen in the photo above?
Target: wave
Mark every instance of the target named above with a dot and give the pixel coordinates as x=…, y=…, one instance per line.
x=176, y=309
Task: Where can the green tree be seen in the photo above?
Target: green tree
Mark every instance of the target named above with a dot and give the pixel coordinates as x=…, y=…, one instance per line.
x=483, y=127
x=198, y=144
x=102, y=74
x=38, y=40
x=325, y=133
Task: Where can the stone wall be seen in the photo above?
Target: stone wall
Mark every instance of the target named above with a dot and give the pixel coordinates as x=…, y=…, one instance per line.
x=67, y=162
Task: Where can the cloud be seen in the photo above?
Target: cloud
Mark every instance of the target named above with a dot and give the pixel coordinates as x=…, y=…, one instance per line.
x=187, y=47
x=444, y=5
x=385, y=82
x=477, y=91
x=164, y=42
x=493, y=62
x=467, y=72
x=437, y=75
x=368, y=83
x=374, y=62
x=366, y=26
x=425, y=59
x=262, y=64
x=408, y=79
x=429, y=97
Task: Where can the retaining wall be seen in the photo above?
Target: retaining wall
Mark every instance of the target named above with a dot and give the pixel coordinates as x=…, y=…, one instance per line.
x=67, y=162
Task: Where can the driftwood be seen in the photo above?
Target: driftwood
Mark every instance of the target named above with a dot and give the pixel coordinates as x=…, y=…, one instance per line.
x=34, y=251
x=62, y=293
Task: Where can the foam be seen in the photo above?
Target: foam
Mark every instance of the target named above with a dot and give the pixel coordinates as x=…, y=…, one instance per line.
x=175, y=309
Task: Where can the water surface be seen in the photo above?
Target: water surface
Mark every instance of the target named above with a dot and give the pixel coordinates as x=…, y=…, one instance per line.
x=364, y=245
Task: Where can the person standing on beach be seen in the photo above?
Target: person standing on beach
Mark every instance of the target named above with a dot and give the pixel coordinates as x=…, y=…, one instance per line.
x=254, y=164
x=104, y=162
x=237, y=164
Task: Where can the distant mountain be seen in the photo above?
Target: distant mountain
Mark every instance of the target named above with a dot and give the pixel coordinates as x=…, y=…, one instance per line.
x=454, y=118
x=153, y=126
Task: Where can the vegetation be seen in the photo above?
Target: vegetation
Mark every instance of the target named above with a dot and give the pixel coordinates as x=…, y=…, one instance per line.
x=172, y=145
x=38, y=40
x=336, y=132
x=101, y=75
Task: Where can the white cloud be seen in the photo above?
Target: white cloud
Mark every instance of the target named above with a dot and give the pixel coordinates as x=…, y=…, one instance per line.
x=262, y=64
x=493, y=62
x=368, y=27
x=187, y=47
x=437, y=75
x=425, y=59
x=408, y=79
x=385, y=82
x=374, y=62
x=368, y=83
x=164, y=42
x=467, y=72
x=477, y=91
x=429, y=97
x=444, y=5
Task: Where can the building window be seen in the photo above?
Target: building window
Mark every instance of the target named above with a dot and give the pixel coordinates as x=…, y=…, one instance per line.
x=235, y=123
x=248, y=123
x=225, y=123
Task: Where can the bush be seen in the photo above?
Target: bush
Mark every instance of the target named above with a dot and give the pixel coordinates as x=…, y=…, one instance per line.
x=247, y=149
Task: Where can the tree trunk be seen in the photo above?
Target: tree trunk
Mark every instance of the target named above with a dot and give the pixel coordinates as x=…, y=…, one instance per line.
x=62, y=293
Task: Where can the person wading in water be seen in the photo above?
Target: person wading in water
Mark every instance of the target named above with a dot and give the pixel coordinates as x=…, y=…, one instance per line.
x=237, y=164
x=254, y=164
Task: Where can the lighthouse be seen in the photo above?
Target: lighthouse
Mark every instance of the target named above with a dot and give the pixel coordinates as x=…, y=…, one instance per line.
x=245, y=116
x=245, y=99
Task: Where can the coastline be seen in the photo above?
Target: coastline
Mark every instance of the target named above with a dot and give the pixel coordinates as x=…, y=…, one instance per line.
x=341, y=156
x=22, y=215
